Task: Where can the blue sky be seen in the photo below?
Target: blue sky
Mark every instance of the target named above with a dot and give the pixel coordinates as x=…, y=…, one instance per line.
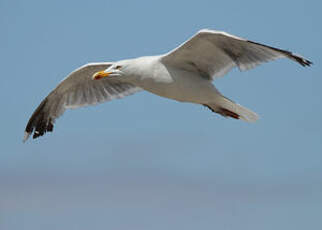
x=146, y=162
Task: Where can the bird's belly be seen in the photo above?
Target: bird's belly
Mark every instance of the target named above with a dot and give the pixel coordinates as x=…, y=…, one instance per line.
x=181, y=87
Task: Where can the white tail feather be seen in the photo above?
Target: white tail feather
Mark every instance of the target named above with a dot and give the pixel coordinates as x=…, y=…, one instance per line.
x=225, y=106
x=246, y=114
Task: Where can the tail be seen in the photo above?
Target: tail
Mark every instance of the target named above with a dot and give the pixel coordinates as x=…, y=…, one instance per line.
x=228, y=108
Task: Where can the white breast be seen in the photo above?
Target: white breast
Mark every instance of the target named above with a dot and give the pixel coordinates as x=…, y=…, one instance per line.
x=174, y=83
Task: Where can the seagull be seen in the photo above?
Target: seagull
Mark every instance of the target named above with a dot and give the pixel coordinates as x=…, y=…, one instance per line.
x=185, y=74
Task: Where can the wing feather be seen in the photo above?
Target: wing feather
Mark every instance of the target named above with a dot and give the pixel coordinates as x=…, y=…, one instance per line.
x=216, y=53
x=76, y=90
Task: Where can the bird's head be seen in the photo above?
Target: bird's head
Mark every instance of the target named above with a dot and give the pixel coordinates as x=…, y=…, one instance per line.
x=114, y=70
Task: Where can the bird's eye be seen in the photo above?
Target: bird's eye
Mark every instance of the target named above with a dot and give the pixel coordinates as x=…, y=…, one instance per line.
x=118, y=67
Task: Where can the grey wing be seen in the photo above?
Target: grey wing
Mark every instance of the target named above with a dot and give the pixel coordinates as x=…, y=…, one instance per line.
x=213, y=53
x=76, y=90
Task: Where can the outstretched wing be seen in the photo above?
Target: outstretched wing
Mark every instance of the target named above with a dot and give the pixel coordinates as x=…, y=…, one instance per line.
x=76, y=90
x=213, y=53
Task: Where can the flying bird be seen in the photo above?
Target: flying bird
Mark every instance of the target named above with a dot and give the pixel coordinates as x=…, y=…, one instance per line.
x=184, y=74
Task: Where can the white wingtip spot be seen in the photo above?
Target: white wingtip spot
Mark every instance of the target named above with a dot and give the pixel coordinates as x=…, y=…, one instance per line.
x=26, y=136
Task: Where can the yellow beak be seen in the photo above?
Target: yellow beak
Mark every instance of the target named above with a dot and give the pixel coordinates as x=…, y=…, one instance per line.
x=100, y=74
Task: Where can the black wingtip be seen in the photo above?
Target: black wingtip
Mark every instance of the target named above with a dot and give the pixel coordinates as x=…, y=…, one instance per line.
x=304, y=62
x=39, y=123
